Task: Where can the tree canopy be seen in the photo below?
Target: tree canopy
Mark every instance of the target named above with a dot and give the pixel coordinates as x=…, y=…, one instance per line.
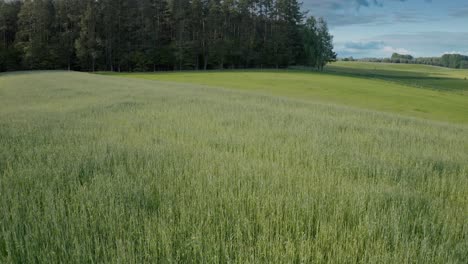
x=146, y=35
x=455, y=61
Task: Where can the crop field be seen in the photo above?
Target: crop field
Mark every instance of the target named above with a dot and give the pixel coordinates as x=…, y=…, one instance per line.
x=346, y=166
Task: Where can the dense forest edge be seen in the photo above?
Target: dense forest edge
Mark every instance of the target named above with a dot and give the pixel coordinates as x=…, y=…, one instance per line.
x=152, y=35
x=454, y=61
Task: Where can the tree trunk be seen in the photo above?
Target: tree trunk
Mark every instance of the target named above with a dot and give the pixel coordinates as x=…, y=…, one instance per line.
x=69, y=62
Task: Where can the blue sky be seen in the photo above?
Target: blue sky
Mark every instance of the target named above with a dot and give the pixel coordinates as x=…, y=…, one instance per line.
x=377, y=28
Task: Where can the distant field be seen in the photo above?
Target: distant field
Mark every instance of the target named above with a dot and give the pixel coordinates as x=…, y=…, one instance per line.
x=422, y=76
x=410, y=69
x=99, y=169
x=413, y=90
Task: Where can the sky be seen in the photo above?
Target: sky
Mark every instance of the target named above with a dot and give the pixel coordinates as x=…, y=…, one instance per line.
x=378, y=28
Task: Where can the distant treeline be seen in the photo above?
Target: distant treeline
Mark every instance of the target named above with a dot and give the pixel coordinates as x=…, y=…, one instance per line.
x=146, y=35
x=455, y=61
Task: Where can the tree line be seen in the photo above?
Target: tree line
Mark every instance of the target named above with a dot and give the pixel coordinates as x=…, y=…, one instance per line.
x=150, y=35
x=455, y=61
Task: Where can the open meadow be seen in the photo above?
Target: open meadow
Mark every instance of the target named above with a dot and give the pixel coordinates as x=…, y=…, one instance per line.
x=359, y=164
x=413, y=90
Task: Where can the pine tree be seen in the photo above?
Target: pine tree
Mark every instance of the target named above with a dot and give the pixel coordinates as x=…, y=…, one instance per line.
x=215, y=36
x=9, y=55
x=311, y=42
x=325, y=50
x=155, y=32
x=67, y=22
x=181, y=41
x=88, y=43
x=141, y=35
x=34, y=33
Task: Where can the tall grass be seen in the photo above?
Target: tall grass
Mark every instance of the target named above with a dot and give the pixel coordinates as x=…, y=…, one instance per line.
x=99, y=169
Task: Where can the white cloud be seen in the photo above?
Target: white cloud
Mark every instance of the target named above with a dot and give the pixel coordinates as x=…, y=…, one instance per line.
x=368, y=49
x=426, y=44
x=352, y=12
x=390, y=50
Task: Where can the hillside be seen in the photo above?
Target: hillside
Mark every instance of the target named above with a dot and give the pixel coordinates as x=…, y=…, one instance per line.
x=413, y=90
x=102, y=169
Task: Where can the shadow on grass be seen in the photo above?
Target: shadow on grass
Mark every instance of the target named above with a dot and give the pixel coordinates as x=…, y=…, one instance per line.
x=26, y=72
x=411, y=78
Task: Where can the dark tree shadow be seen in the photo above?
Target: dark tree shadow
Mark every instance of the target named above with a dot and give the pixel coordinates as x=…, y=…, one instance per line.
x=411, y=78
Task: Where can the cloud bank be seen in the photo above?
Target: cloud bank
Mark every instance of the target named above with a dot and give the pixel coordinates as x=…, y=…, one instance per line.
x=347, y=12
x=420, y=44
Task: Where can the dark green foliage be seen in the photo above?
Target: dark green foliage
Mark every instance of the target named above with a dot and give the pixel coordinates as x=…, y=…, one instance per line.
x=318, y=43
x=150, y=35
x=35, y=34
x=455, y=61
x=88, y=45
x=9, y=55
x=401, y=58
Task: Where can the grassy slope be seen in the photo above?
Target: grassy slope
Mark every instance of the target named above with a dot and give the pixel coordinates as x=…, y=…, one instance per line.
x=102, y=169
x=441, y=98
x=409, y=69
x=422, y=76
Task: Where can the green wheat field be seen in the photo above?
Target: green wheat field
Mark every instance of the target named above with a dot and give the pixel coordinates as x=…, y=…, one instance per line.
x=363, y=163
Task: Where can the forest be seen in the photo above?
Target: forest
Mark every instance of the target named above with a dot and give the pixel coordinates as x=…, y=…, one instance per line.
x=155, y=35
x=455, y=61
